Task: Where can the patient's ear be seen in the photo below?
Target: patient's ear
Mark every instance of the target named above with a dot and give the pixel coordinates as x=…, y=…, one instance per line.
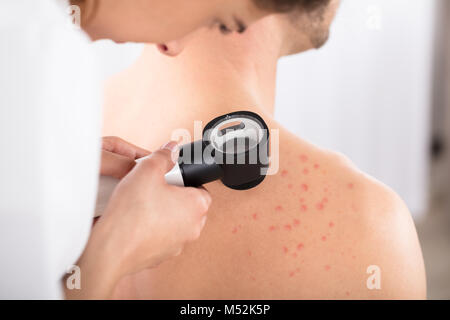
x=172, y=48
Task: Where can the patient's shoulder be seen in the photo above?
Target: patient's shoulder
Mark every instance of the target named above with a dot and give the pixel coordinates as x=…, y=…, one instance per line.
x=371, y=223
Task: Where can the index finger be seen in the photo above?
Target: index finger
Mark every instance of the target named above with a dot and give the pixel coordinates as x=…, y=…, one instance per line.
x=124, y=148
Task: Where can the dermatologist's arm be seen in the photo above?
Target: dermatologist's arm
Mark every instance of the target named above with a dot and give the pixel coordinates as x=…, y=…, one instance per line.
x=146, y=221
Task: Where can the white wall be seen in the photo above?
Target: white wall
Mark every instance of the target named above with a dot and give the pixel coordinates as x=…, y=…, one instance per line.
x=368, y=92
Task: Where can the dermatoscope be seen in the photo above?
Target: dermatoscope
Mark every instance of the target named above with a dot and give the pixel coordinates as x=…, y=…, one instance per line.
x=234, y=149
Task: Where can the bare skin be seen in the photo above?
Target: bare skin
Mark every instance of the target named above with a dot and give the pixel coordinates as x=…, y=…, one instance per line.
x=309, y=232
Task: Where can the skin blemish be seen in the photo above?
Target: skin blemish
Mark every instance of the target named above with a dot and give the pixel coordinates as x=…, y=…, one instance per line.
x=331, y=224
x=304, y=208
x=296, y=222
x=290, y=186
x=294, y=255
x=284, y=173
x=288, y=227
x=316, y=166
x=321, y=205
x=255, y=216
x=347, y=293
x=292, y=273
x=305, y=171
x=305, y=187
x=285, y=249
x=236, y=229
x=327, y=268
x=278, y=208
x=300, y=246
x=302, y=200
x=273, y=228
x=350, y=186
x=324, y=238
x=303, y=158
x=249, y=253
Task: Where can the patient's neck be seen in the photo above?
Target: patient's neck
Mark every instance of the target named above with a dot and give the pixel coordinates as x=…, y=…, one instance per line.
x=208, y=80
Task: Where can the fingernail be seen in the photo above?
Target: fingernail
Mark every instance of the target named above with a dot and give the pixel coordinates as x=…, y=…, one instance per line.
x=172, y=146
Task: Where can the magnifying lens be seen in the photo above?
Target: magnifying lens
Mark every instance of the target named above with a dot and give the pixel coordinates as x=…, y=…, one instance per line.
x=234, y=149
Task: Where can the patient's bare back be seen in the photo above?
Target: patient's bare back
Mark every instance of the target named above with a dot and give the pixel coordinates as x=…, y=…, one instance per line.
x=319, y=229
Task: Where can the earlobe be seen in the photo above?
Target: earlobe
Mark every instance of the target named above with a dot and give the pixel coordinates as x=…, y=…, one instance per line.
x=171, y=49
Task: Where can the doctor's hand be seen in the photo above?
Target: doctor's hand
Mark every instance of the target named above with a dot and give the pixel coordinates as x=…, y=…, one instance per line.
x=146, y=222
x=118, y=157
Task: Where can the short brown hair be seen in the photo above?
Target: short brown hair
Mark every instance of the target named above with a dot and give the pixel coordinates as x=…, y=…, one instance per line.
x=284, y=6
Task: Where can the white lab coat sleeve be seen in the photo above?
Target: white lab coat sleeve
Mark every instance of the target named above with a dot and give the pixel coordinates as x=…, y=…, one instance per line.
x=50, y=123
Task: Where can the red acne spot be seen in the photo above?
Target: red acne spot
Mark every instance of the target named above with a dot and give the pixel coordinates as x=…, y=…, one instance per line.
x=291, y=274
x=284, y=173
x=350, y=186
x=300, y=246
x=303, y=158
x=294, y=255
x=327, y=268
x=255, y=216
x=252, y=278
x=331, y=224
x=305, y=171
x=302, y=200
x=272, y=228
x=316, y=166
x=353, y=257
x=324, y=238
x=304, y=208
x=325, y=200
x=288, y=227
x=290, y=186
x=305, y=187
x=235, y=230
x=285, y=249
x=347, y=293
x=278, y=208
x=320, y=206
x=298, y=269
x=296, y=222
